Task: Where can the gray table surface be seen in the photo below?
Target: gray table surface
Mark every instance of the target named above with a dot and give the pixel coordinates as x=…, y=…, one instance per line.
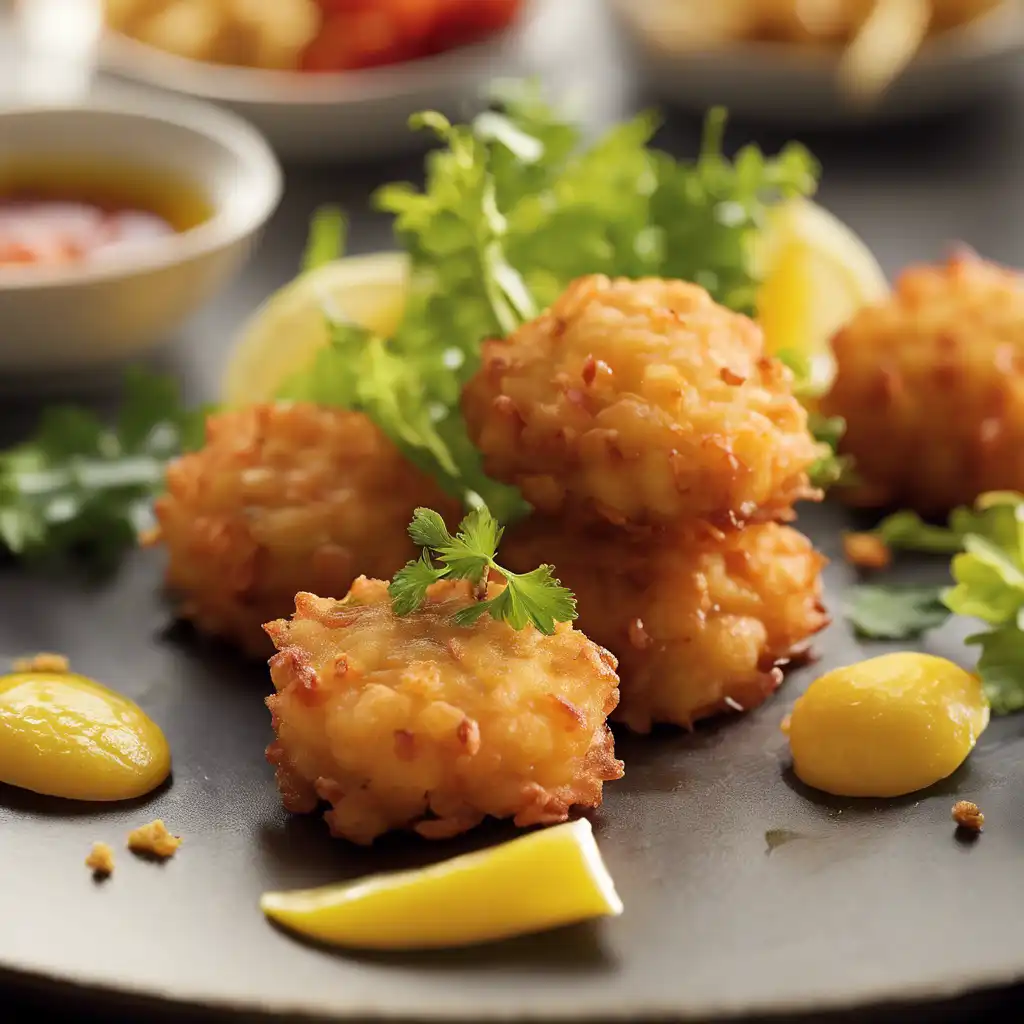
x=909, y=191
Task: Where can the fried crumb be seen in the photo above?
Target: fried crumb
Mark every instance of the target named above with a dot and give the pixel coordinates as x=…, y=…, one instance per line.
x=968, y=816
x=100, y=860
x=153, y=840
x=866, y=551
x=42, y=662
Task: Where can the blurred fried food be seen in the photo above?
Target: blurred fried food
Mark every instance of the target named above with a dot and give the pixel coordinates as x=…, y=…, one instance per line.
x=284, y=498
x=417, y=723
x=641, y=403
x=699, y=620
x=931, y=385
x=680, y=24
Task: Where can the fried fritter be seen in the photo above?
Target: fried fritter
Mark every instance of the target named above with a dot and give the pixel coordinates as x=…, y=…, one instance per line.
x=644, y=402
x=699, y=621
x=931, y=385
x=416, y=723
x=285, y=498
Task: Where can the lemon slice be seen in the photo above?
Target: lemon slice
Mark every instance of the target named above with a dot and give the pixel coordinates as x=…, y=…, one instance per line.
x=542, y=880
x=284, y=334
x=815, y=273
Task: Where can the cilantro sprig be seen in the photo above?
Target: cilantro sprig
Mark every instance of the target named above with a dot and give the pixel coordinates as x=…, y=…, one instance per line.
x=82, y=490
x=988, y=585
x=535, y=597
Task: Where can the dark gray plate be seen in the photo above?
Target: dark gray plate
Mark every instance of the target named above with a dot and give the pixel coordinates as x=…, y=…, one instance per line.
x=744, y=892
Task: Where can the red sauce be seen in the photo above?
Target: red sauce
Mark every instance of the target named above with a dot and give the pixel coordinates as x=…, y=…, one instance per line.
x=50, y=232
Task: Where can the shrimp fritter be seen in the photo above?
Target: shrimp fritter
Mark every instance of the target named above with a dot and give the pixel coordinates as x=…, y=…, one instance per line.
x=931, y=385
x=416, y=723
x=644, y=402
x=699, y=621
x=284, y=498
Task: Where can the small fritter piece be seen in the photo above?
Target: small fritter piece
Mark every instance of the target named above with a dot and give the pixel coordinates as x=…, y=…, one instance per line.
x=416, y=723
x=285, y=498
x=699, y=621
x=154, y=840
x=100, y=860
x=644, y=402
x=931, y=385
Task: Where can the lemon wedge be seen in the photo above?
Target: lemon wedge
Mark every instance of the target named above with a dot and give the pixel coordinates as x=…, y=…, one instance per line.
x=815, y=273
x=284, y=334
x=541, y=880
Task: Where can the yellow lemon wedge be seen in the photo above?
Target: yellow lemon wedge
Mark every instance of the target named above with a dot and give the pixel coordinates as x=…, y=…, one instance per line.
x=541, y=880
x=815, y=274
x=285, y=333
x=887, y=726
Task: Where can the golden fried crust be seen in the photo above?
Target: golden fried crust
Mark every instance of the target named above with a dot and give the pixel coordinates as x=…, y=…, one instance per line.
x=699, y=621
x=415, y=723
x=931, y=384
x=641, y=403
x=284, y=498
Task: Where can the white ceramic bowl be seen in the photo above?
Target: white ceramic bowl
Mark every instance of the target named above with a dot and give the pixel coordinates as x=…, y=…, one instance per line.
x=800, y=86
x=327, y=116
x=87, y=315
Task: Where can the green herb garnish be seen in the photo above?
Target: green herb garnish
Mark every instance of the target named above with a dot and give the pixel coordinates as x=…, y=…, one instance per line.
x=514, y=209
x=80, y=489
x=988, y=574
x=534, y=598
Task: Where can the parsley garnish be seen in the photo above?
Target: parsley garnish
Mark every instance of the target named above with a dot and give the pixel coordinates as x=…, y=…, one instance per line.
x=82, y=490
x=535, y=597
x=988, y=574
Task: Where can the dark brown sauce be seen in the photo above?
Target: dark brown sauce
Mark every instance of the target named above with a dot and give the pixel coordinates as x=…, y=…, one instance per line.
x=52, y=215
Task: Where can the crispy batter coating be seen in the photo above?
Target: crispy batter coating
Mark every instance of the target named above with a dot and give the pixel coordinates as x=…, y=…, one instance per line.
x=644, y=402
x=285, y=498
x=931, y=384
x=700, y=621
x=417, y=723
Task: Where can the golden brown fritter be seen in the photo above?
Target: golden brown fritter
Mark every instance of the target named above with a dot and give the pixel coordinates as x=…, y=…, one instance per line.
x=417, y=723
x=644, y=402
x=931, y=384
x=285, y=498
x=699, y=621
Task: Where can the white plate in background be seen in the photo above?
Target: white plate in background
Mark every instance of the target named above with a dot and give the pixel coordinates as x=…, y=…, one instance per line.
x=343, y=116
x=798, y=85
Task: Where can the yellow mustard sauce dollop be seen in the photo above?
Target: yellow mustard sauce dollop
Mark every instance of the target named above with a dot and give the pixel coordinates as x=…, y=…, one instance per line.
x=64, y=735
x=887, y=726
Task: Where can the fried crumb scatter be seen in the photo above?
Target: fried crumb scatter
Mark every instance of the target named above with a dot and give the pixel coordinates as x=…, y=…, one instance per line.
x=100, y=860
x=43, y=662
x=968, y=816
x=866, y=551
x=153, y=840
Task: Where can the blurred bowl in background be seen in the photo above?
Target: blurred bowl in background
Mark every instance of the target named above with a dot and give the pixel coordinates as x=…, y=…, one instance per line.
x=335, y=116
x=800, y=85
x=94, y=312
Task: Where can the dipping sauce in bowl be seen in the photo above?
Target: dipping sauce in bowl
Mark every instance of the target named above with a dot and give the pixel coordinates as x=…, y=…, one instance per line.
x=52, y=216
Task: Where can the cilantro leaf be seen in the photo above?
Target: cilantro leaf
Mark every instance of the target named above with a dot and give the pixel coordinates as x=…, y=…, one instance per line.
x=428, y=530
x=1001, y=667
x=907, y=531
x=81, y=490
x=408, y=589
x=535, y=597
x=895, y=613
